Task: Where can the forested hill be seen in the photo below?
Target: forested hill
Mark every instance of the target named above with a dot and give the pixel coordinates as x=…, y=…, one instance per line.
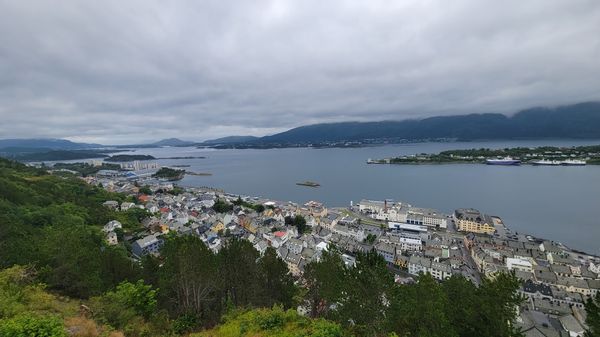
x=572, y=121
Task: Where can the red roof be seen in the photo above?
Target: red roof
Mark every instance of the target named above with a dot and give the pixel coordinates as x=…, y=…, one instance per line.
x=279, y=233
x=164, y=210
x=143, y=198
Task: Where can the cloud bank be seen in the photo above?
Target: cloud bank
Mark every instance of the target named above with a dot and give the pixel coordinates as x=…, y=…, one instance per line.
x=128, y=71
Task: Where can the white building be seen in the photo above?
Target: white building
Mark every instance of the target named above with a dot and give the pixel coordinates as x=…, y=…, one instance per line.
x=418, y=265
x=350, y=231
x=407, y=227
x=126, y=205
x=426, y=216
x=440, y=271
x=147, y=245
x=295, y=246
x=111, y=226
x=371, y=206
x=408, y=244
x=403, y=213
x=139, y=165
x=518, y=264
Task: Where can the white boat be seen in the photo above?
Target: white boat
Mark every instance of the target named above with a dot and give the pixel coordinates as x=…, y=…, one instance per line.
x=503, y=161
x=546, y=162
x=574, y=162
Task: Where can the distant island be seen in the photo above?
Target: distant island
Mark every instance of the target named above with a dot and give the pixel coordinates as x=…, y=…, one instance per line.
x=545, y=155
x=175, y=142
x=128, y=157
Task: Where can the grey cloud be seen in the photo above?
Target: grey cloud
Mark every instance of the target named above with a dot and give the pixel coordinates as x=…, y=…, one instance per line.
x=127, y=71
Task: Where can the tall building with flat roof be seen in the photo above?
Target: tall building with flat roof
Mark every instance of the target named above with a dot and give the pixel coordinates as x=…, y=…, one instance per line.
x=472, y=220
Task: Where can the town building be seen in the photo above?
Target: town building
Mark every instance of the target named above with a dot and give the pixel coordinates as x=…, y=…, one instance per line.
x=150, y=244
x=111, y=238
x=472, y=220
x=519, y=264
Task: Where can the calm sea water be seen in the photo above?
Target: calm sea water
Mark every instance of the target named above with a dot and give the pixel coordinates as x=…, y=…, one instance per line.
x=559, y=203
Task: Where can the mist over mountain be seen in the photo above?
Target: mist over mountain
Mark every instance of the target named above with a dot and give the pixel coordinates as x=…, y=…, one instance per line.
x=173, y=142
x=571, y=121
x=45, y=143
x=577, y=121
x=230, y=140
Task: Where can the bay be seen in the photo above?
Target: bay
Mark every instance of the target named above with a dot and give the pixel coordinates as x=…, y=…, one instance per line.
x=559, y=203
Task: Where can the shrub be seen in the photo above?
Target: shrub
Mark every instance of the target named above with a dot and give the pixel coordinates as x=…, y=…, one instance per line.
x=32, y=326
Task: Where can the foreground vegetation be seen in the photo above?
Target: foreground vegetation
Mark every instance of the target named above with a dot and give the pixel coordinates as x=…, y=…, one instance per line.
x=60, y=278
x=274, y=322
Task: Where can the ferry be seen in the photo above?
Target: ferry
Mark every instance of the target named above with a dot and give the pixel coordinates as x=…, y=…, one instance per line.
x=574, y=162
x=546, y=162
x=378, y=161
x=503, y=161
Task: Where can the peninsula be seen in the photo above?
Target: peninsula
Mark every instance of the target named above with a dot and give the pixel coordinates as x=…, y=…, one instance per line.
x=169, y=174
x=546, y=155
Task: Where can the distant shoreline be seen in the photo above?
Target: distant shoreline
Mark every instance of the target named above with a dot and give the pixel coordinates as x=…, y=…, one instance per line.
x=538, y=156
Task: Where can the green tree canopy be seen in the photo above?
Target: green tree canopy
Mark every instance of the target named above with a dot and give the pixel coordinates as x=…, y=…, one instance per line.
x=592, y=308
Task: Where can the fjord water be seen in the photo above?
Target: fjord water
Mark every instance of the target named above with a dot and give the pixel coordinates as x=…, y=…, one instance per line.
x=559, y=203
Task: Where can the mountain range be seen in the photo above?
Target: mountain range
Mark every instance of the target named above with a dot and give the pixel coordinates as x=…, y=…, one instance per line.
x=571, y=121
x=577, y=121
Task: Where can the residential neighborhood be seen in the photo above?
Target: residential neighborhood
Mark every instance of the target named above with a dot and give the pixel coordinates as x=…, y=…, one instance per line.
x=413, y=240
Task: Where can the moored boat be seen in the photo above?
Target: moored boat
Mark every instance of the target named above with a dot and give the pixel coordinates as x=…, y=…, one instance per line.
x=574, y=162
x=308, y=183
x=546, y=162
x=503, y=161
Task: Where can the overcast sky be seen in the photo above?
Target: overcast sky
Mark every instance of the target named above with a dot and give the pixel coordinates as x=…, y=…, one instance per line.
x=126, y=71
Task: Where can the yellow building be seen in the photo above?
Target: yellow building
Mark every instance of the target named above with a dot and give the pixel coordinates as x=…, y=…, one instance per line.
x=247, y=224
x=471, y=220
x=219, y=226
x=163, y=228
x=401, y=261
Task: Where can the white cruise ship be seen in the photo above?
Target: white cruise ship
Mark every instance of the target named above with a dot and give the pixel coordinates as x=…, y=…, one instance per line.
x=546, y=162
x=574, y=162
